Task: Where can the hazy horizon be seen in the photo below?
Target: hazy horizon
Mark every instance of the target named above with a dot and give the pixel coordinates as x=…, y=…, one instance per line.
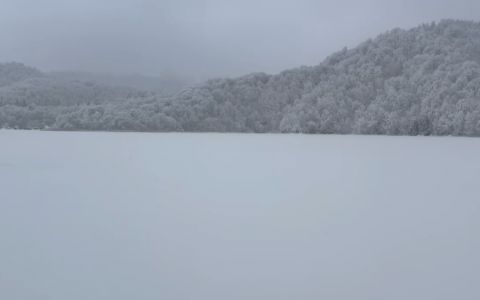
x=202, y=39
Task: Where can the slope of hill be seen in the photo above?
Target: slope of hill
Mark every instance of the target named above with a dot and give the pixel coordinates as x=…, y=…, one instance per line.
x=425, y=80
x=11, y=73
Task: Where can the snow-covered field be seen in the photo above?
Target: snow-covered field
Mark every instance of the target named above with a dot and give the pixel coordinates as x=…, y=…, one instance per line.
x=93, y=216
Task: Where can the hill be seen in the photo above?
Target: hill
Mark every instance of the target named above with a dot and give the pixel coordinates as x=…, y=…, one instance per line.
x=421, y=81
x=11, y=73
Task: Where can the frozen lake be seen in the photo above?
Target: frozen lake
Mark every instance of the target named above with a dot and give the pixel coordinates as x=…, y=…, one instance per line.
x=94, y=216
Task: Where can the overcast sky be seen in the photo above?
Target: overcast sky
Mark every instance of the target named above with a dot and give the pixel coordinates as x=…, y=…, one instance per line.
x=202, y=38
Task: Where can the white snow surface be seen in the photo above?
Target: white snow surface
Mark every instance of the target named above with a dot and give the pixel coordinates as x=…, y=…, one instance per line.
x=93, y=216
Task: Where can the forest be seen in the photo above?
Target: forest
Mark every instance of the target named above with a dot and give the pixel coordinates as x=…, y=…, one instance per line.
x=422, y=81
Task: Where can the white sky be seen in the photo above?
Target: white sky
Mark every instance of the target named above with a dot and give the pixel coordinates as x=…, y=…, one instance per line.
x=202, y=38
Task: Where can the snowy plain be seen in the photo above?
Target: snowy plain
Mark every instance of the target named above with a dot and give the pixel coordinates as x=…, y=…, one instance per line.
x=93, y=216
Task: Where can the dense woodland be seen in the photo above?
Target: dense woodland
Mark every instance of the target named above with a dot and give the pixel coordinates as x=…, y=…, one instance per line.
x=422, y=81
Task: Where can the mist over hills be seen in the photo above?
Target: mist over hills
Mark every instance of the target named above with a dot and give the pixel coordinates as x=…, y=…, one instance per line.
x=422, y=81
x=168, y=83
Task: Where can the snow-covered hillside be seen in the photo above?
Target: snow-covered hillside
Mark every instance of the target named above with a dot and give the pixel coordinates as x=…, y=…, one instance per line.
x=421, y=81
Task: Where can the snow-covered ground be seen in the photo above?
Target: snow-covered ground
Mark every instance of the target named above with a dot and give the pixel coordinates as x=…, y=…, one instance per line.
x=93, y=216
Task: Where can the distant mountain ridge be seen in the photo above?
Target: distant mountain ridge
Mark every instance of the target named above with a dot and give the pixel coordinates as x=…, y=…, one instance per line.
x=11, y=73
x=422, y=81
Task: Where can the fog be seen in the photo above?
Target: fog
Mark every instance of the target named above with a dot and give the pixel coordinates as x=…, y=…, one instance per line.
x=202, y=38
